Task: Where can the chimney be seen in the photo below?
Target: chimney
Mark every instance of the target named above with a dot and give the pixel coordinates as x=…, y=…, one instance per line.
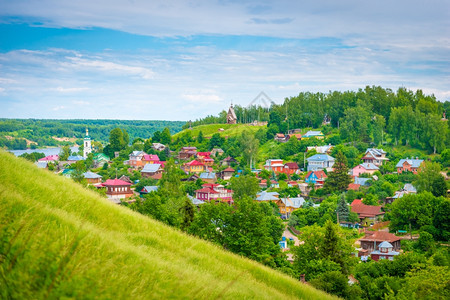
x=302, y=278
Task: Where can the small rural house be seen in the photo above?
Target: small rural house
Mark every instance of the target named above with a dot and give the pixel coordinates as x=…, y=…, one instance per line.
x=209, y=177
x=227, y=173
x=385, y=251
x=321, y=149
x=365, y=168
x=375, y=156
x=187, y=152
x=194, y=167
x=274, y=165
x=135, y=159
x=288, y=205
x=150, y=170
x=267, y=196
x=312, y=133
x=227, y=161
x=316, y=177
x=290, y=168
x=150, y=159
x=92, y=178
x=50, y=158
x=373, y=239
x=409, y=165
x=370, y=212
x=117, y=189
x=319, y=162
x=212, y=191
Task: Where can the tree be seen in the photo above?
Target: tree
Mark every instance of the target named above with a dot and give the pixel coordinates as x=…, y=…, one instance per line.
x=249, y=147
x=244, y=186
x=166, y=138
x=200, y=137
x=188, y=212
x=118, y=139
x=333, y=282
x=338, y=179
x=342, y=209
x=216, y=141
x=430, y=179
x=78, y=169
x=65, y=153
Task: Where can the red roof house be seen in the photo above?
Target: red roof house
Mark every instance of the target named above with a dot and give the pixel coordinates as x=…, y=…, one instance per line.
x=213, y=191
x=194, y=167
x=366, y=211
x=117, y=189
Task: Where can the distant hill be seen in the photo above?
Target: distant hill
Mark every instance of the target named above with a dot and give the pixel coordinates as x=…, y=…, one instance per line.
x=59, y=240
x=230, y=130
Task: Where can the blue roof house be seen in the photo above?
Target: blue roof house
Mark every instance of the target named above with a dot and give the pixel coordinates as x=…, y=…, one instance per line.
x=319, y=162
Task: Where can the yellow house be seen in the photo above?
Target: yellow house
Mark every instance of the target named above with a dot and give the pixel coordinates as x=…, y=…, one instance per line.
x=194, y=167
x=288, y=205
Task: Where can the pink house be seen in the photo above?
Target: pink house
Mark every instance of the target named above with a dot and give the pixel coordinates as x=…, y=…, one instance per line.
x=367, y=168
x=211, y=191
x=50, y=158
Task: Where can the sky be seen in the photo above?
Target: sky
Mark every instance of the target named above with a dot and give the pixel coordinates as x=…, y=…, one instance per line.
x=184, y=60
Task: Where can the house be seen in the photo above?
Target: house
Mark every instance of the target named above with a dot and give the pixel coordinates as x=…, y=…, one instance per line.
x=193, y=177
x=50, y=158
x=227, y=161
x=74, y=158
x=368, y=168
x=267, y=196
x=117, y=189
x=227, y=173
x=274, y=165
x=206, y=160
x=135, y=159
x=279, y=137
x=321, y=149
x=126, y=179
x=209, y=177
x=297, y=136
x=194, y=167
x=231, y=116
x=150, y=170
x=150, y=159
x=409, y=165
x=217, y=152
x=92, y=177
x=353, y=186
x=195, y=201
x=375, y=156
x=373, y=239
x=288, y=205
x=385, y=251
x=290, y=168
x=187, y=152
x=100, y=159
x=203, y=155
x=364, y=211
x=319, y=162
x=362, y=181
x=42, y=164
x=316, y=177
x=317, y=134
x=158, y=146
x=148, y=189
x=211, y=191
x=408, y=188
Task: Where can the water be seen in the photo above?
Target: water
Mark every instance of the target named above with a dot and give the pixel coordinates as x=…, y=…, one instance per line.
x=46, y=151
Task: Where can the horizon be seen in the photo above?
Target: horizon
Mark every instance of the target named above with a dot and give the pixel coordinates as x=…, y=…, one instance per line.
x=111, y=60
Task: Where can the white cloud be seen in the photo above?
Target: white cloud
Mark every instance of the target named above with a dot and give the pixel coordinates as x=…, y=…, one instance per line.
x=202, y=98
x=70, y=90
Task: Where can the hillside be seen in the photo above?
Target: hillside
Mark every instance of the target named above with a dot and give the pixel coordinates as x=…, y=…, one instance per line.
x=58, y=239
x=230, y=130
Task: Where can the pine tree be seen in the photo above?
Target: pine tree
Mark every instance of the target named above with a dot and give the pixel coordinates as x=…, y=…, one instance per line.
x=188, y=211
x=338, y=179
x=342, y=209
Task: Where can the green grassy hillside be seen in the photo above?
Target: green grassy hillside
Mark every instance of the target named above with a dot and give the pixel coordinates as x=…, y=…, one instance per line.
x=58, y=239
x=230, y=130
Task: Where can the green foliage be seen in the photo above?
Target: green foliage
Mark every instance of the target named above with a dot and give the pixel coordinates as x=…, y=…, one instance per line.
x=430, y=179
x=342, y=209
x=338, y=179
x=324, y=250
x=33, y=156
x=244, y=186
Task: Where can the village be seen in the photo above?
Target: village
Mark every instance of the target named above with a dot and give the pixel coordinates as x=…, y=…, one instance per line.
x=211, y=171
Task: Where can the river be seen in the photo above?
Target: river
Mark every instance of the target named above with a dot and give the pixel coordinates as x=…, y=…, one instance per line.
x=46, y=151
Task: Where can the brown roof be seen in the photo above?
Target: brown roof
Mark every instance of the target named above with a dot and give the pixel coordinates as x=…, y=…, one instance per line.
x=380, y=236
x=291, y=165
x=365, y=210
x=353, y=186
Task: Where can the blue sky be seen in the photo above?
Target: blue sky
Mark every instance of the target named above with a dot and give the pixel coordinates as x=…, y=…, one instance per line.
x=180, y=60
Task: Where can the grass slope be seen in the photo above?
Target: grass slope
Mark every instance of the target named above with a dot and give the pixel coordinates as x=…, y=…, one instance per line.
x=230, y=130
x=58, y=239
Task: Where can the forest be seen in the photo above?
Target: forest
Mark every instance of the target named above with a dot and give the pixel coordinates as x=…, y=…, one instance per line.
x=13, y=132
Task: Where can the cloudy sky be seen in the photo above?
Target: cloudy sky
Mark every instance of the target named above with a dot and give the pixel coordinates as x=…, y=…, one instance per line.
x=182, y=60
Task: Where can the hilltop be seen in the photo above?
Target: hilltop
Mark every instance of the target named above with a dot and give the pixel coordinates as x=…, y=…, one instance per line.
x=229, y=130
x=58, y=239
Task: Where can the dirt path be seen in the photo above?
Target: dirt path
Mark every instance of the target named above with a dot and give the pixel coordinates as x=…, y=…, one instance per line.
x=289, y=235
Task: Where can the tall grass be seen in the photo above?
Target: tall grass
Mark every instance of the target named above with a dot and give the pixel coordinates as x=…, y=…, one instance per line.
x=60, y=240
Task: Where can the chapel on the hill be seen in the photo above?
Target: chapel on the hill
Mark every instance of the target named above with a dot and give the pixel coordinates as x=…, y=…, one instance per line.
x=231, y=116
